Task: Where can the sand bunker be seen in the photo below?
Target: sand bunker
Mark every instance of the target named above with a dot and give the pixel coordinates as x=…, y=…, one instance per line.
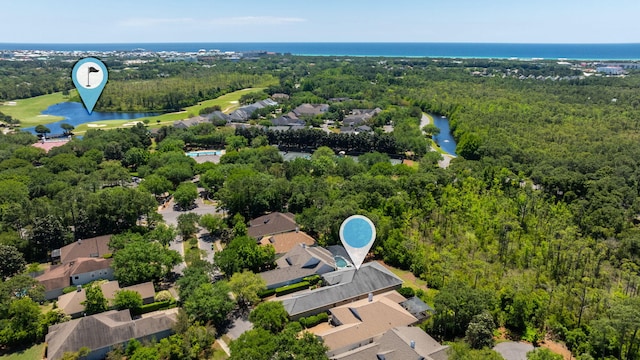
x=96, y=125
x=11, y=103
x=134, y=123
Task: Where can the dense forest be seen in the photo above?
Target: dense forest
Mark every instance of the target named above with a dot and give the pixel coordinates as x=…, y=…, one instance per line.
x=535, y=224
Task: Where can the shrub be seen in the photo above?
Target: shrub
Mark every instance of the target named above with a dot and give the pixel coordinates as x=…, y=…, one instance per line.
x=313, y=320
x=160, y=305
x=313, y=279
x=163, y=295
x=284, y=290
x=69, y=289
x=266, y=293
x=407, y=292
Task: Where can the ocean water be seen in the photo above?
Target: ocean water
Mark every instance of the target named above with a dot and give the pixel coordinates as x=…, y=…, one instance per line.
x=441, y=50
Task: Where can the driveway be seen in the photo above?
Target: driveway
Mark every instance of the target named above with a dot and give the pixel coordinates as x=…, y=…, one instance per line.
x=511, y=350
x=239, y=326
x=170, y=217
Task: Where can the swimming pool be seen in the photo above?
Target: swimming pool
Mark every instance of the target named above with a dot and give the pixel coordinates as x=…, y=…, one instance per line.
x=204, y=153
x=341, y=262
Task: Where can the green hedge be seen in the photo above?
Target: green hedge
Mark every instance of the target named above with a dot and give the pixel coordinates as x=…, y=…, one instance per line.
x=69, y=289
x=284, y=290
x=159, y=305
x=312, y=321
x=266, y=293
x=313, y=279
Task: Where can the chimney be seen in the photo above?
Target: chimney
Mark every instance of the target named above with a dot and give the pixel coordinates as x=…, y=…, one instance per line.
x=79, y=241
x=412, y=344
x=78, y=288
x=370, y=297
x=297, y=229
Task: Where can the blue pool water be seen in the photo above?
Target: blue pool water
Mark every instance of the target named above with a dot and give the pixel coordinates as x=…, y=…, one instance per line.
x=341, y=262
x=204, y=152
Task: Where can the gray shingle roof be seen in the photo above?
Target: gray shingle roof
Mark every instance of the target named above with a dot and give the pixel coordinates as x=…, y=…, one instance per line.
x=104, y=330
x=298, y=263
x=344, y=285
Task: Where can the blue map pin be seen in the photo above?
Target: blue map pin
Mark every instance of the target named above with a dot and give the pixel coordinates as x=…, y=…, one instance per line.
x=357, y=233
x=90, y=75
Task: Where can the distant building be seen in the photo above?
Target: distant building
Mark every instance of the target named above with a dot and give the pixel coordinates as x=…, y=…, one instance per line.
x=101, y=332
x=280, y=96
x=285, y=242
x=244, y=113
x=611, y=70
x=311, y=109
x=271, y=224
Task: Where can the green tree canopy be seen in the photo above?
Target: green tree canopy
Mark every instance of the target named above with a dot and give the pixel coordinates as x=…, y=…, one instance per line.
x=141, y=261
x=127, y=299
x=246, y=286
x=269, y=315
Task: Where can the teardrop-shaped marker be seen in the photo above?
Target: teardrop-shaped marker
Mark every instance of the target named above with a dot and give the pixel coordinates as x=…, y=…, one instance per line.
x=90, y=75
x=357, y=233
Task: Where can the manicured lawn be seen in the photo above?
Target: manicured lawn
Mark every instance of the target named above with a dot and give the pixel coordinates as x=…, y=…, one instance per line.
x=36, y=352
x=28, y=110
x=227, y=103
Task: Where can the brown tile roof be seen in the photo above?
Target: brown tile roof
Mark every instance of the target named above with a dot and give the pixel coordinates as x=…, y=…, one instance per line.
x=271, y=224
x=395, y=344
x=71, y=303
x=362, y=320
x=283, y=243
x=58, y=277
x=105, y=330
x=93, y=247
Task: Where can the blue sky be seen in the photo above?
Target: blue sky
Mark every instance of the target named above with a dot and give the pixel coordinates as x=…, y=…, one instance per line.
x=135, y=21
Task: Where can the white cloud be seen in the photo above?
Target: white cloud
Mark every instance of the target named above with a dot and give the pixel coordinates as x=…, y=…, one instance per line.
x=257, y=20
x=146, y=22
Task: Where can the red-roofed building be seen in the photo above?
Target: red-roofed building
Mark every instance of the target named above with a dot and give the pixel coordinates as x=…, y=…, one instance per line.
x=78, y=272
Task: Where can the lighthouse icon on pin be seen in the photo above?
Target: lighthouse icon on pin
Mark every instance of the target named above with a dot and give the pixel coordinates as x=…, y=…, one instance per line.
x=90, y=75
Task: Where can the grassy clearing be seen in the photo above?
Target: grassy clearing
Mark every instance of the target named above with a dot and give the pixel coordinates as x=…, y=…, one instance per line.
x=28, y=111
x=227, y=102
x=36, y=352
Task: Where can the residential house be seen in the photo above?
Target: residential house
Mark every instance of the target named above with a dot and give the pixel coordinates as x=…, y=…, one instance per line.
x=280, y=96
x=342, y=287
x=311, y=109
x=72, y=303
x=242, y=114
x=285, y=242
x=185, y=124
x=101, y=332
x=360, y=322
x=300, y=262
x=399, y=343
x=87, y=248
x=359, y=116
x=271, y=224
x=79, y=272
x=218, y=115
x=287, y=121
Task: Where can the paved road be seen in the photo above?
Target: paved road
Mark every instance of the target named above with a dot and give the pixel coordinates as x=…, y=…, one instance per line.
x=511, y=350
x=239, y=326
x=170, y=217
x=205, y=243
